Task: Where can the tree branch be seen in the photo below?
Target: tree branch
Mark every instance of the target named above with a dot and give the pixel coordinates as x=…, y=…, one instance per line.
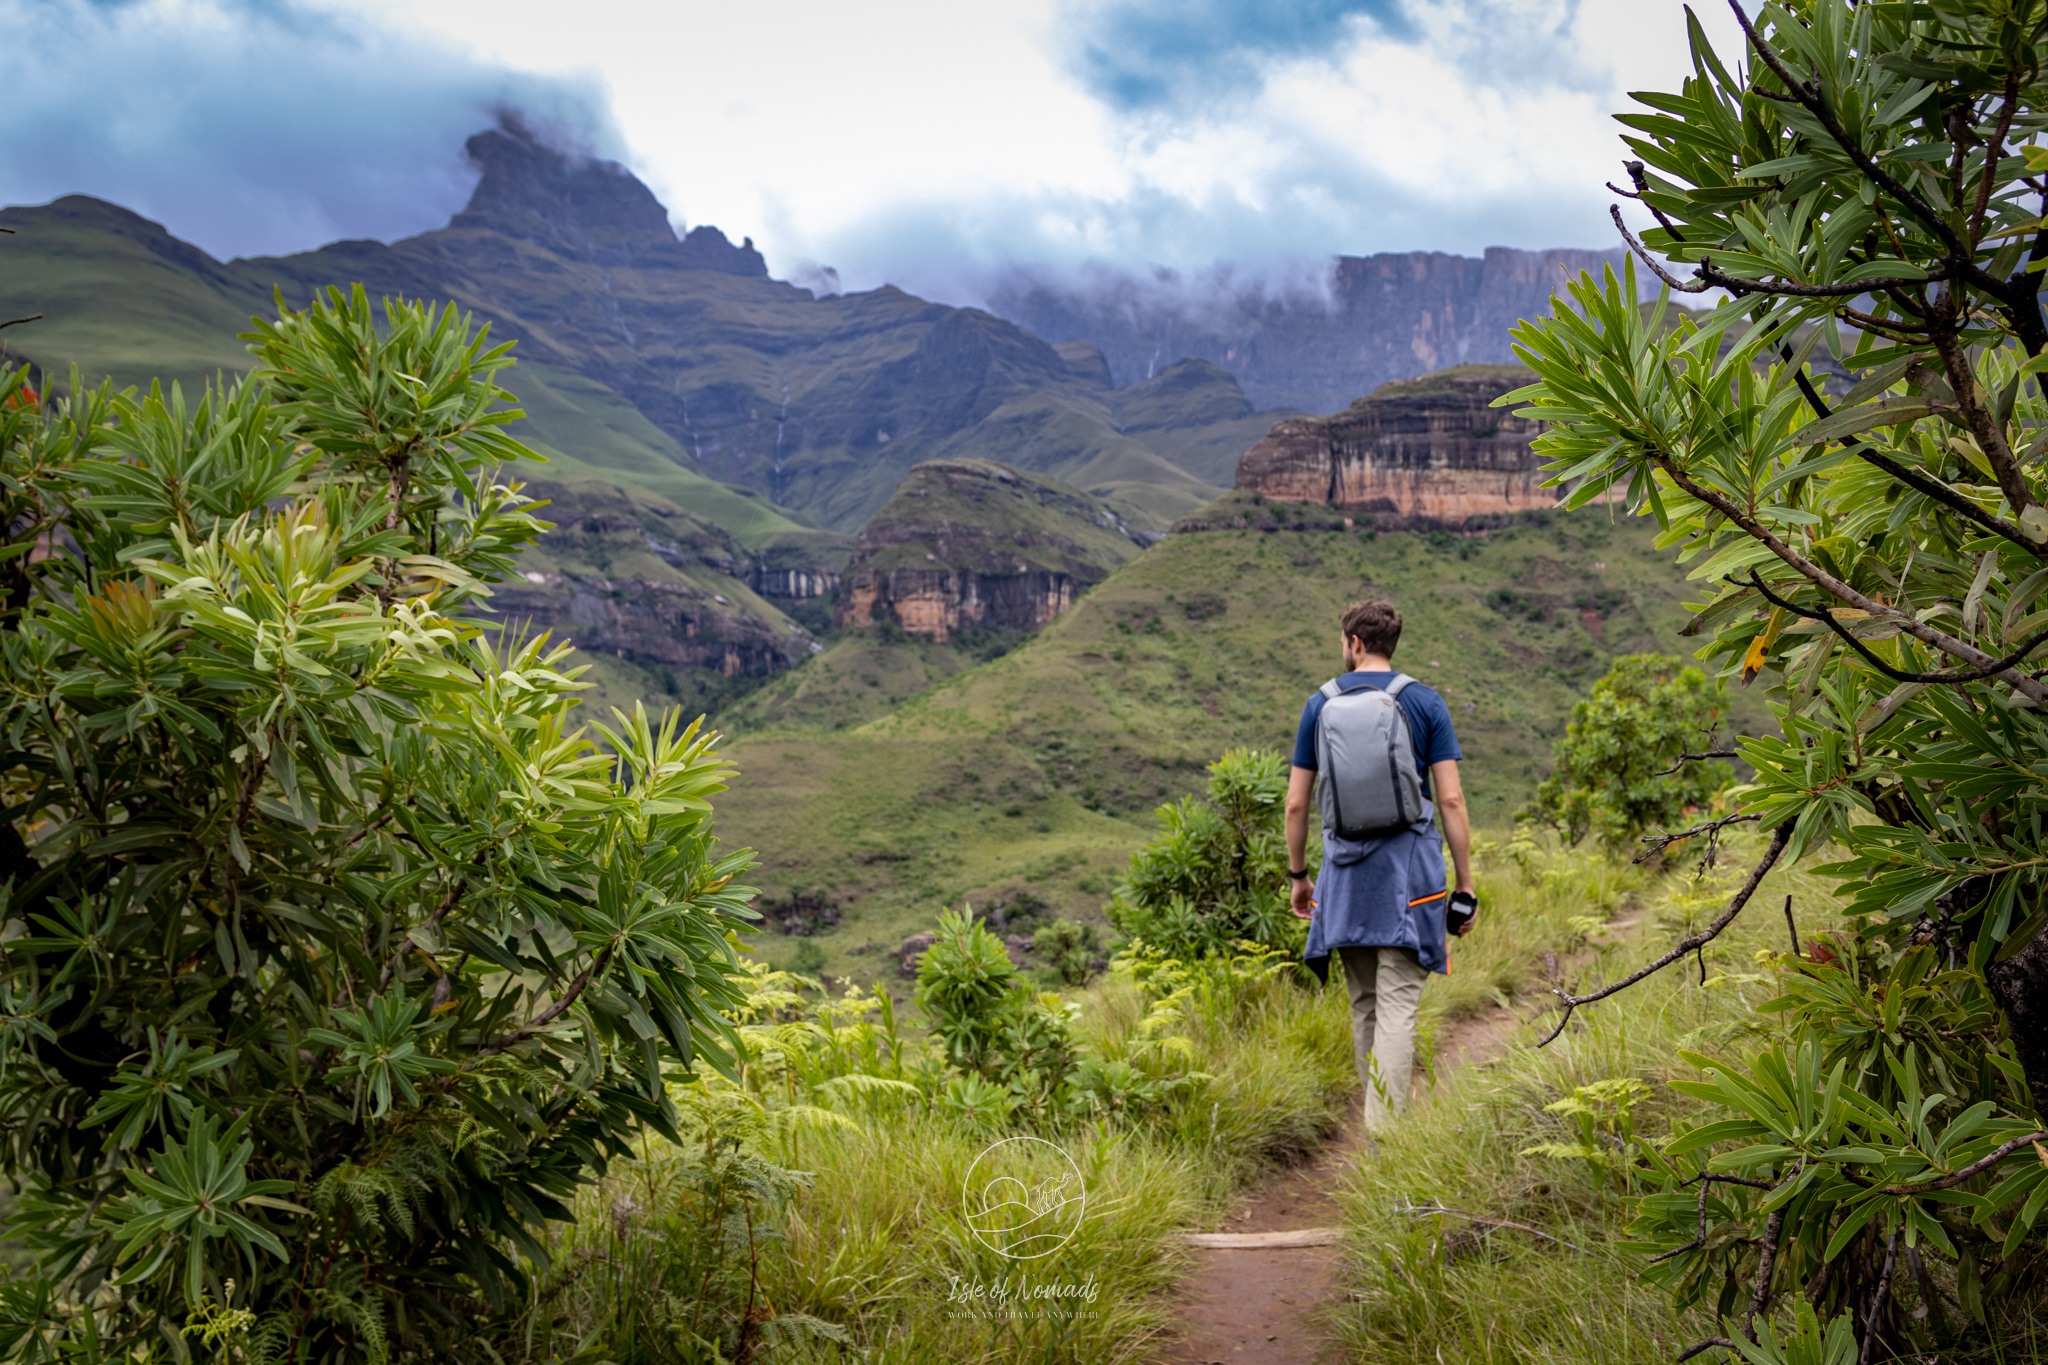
x=16, y=322
x=1915, y=480
x=1884, y=1284
x=1712, y=827
x=1779, y=838
x=1807, y=96
x=546, y=1016
x=1926, y=634
x=1688, y=757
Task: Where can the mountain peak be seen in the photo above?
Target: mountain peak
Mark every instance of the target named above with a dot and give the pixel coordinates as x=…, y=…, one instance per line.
x=582, y=207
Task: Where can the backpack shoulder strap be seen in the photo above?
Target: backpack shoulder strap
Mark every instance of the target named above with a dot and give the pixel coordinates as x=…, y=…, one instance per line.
x=1331, y=689
x=1400, y=682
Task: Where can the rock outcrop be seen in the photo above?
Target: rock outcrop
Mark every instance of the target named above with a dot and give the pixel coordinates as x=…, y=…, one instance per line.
x=636, y=577
x=1428, y=452
x=1371, y=319
x=969, y=544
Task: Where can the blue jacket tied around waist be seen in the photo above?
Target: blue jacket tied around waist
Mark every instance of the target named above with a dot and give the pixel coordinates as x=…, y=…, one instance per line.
x=1381, y=893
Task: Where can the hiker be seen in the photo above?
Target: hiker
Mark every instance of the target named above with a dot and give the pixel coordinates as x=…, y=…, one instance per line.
x=1381, y=901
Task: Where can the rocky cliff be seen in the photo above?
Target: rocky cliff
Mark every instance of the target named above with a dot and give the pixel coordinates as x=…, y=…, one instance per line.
x=1428, y=452
x=969, y=544
x=638, y=578
x=1372, y=319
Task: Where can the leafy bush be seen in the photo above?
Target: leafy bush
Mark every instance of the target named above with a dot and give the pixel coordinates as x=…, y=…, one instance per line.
x=1868, y=185
x=337, y=955
x=1070, y=948
x=992, y=1025
x=1608, y=775
x=1218, y=874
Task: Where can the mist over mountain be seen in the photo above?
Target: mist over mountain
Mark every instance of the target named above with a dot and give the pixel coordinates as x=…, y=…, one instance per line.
x=1313, y=336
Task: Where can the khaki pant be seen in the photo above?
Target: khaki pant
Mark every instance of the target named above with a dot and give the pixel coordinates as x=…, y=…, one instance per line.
x=1386, y=988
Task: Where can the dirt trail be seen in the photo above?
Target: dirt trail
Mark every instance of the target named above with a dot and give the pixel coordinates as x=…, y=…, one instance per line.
x=1245, y=1305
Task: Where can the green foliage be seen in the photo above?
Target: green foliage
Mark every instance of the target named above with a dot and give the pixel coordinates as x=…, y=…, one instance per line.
x=337, y=955
x=1218, y=874
x=994, y=1028
x=1070, y=948
x=1609, y=775
x=1877, y=556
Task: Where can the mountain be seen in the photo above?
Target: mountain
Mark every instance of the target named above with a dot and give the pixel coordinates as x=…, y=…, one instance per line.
x=1315, y=347
x=682, y=397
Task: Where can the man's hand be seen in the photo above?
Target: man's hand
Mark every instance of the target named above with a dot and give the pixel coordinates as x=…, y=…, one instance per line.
x=1303, y=900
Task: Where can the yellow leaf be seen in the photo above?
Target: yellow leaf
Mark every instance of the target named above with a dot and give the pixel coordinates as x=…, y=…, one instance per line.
x=1759, y=648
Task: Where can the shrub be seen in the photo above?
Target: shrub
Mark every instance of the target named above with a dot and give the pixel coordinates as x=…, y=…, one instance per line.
x=337, y=954
x=1218, y=873
x=1070, y=949
x=1608, y=775
x=993, y=1027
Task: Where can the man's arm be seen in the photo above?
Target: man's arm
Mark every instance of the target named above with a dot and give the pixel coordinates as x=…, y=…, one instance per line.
x=1457, y=820
x=1301, y=784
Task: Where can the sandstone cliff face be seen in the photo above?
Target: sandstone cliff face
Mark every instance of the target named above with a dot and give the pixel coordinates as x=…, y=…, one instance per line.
x=1425, y=452
x=1370, y=320
x=968, y=544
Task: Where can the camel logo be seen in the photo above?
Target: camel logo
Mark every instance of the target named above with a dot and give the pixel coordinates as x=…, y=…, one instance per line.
x=1023, y=1198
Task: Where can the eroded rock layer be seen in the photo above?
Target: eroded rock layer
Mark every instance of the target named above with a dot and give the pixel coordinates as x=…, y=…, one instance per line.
x=969, y=544
x=1423, y=452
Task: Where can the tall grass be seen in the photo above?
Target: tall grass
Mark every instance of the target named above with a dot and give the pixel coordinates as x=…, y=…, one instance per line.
x=1500, y=1145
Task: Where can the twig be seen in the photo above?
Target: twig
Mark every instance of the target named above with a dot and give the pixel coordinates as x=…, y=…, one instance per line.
x=1976, y=1167
x=16, y=322
x=1791, y=925
x=1434, y=1207
x=1884, y=1284
x=1664, y=841
x=1781, y=837
x=1709, y=1344
x=1913, y=479
x=1827, y=619
x=1689, y=757
x=1696, y=1243
x=546, y=1016
x=1767, y=1260
x=447, y=903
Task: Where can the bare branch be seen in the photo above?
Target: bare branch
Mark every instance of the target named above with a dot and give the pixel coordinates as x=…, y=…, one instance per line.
x=1767, y=1261
x=546, y=1016
x=1792, y=925
x=1643, y=252
x=16, y=322
x=1779, y=838
x=1664, y=841
x=1688, y=757
x=447, y=903
x=1709, y=1344
x=1435, y=1207
x=1696, y=1243
x=1884, y=1284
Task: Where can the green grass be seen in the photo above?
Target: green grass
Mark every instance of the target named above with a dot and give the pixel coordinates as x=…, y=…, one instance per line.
x=1042, y=768
x=1425, y=1288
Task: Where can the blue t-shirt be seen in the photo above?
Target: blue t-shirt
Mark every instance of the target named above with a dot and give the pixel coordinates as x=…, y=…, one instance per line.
x=1429, y=724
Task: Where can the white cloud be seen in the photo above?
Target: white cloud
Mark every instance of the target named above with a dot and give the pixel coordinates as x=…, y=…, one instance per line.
x=921, y=142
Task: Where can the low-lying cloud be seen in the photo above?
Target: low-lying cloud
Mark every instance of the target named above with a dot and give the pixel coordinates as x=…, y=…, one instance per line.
x=254, y=128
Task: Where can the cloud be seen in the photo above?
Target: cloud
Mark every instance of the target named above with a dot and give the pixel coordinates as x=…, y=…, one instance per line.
x=256, y=128
x=1143, y=53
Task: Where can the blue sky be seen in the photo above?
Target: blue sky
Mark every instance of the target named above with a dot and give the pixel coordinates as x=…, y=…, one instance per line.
x=923, y=142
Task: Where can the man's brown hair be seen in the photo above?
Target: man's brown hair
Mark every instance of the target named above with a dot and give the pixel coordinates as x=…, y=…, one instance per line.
x=1375, y=625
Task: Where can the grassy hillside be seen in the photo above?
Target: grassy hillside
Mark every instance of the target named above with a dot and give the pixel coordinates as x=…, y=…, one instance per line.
x=1039, y=771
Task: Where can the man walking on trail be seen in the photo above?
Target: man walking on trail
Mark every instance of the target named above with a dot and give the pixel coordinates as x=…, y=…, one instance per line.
x=1381, y=900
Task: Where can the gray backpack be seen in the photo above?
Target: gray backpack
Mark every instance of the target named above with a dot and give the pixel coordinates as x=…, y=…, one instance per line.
x=1366, y=781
